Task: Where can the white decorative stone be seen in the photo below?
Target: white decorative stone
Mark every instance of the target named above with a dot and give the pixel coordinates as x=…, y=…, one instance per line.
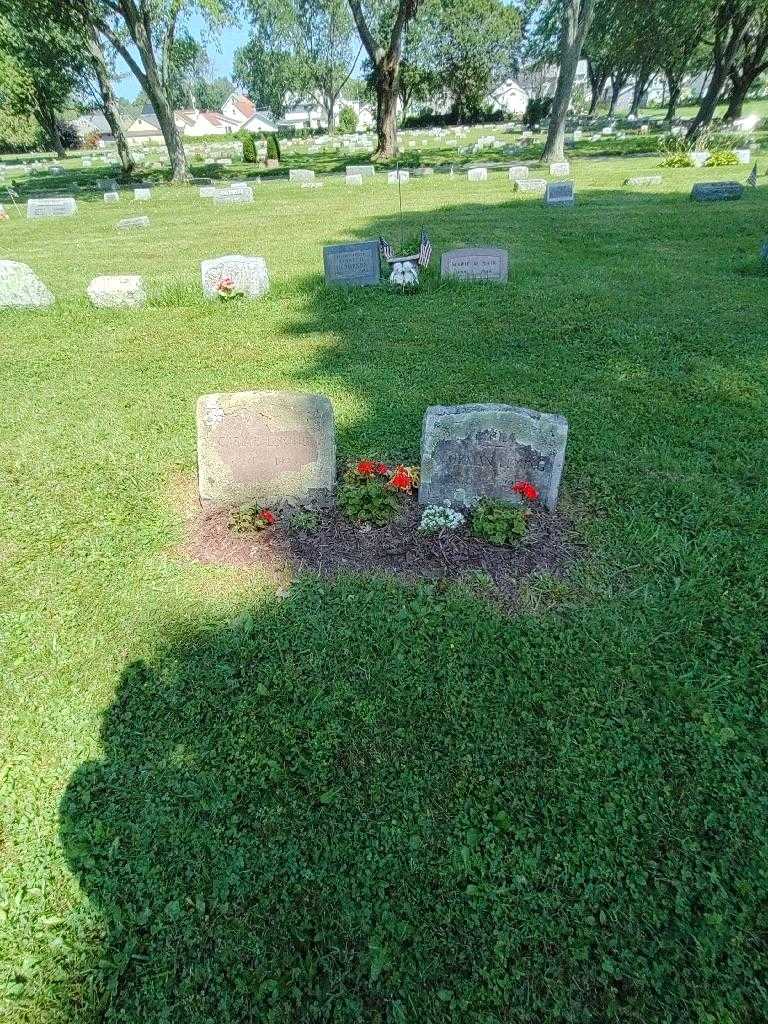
x=248, y=274
x=20, y=287
x=699, y=157
x=142, y=194
x=117, y=291
x=111, y=197
x=477, y=174
x=63, y=207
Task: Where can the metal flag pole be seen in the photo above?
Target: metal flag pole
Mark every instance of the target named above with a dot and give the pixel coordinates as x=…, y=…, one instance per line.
x=400, y=200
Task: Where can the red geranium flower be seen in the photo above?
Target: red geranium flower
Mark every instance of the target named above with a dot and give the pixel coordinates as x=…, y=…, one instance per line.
x=366, y=467
x=527, y=490
x=269, y=517
x=401, y=479
x=382, y=469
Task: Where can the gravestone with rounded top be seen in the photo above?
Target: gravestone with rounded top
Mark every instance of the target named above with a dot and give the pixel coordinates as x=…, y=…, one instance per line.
x=478, y=263
x=271, y=447
x=470, y=452
x=248, y=275
x=21, y=288
x=117, y=291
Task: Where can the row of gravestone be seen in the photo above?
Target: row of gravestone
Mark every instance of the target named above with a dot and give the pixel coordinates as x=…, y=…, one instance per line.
x=21, y=288
x=279, y=448
x=358, y=264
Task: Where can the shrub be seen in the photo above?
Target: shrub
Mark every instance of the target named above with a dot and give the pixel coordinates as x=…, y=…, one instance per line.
x=250, y=152
x=537, y=110
x=498, y=522
x=273, y=147
x=69, y=135
x=722, y=158
x=675, y=152
x=368, y=501
x=348, y=120
x=91, y=140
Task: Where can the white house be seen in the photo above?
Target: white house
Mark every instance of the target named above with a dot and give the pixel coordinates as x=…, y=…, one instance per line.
x=194, y=123
x=260, y=121
x=238, y=108
x=510, y=97
x=94, y=124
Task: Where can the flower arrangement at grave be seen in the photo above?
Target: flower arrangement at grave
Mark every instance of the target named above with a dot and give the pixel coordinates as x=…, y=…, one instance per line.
x=226, y=289
x=372, y=492
x=500, y=522
x=405, y=272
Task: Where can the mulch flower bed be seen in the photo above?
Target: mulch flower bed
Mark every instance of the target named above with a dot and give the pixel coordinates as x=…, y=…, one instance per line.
x=340, y=546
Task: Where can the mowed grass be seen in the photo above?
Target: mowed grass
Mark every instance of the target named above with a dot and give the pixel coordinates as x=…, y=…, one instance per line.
x=365, y=802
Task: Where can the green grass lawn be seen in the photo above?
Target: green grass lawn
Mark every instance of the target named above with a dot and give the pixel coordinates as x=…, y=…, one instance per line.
x=361, y=801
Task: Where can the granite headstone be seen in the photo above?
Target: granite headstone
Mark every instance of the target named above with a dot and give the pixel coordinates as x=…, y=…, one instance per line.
x=353, y=263
x=475, y=264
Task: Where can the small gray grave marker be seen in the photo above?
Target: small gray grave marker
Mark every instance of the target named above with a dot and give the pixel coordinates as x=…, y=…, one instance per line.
x=475, y=264
x=353, y=263
x=714, y=191
x=560, y=193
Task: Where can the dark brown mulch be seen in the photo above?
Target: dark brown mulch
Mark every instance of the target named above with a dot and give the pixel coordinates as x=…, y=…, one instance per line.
x=398, y=548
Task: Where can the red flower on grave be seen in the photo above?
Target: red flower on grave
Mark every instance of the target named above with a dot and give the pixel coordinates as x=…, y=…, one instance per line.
x=366, y=467
x=527, y=490
x=382, y=469
x=401, y=479
x=268, y=517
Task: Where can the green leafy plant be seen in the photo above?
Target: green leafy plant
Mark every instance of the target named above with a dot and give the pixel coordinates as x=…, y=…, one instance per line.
x=306, y=520
x=273, y=147
x=370, y=500
x=675, y=151
x=498, y=522
x=348, y=120
x=722, y=158
x=250, y=150
x=251, y=518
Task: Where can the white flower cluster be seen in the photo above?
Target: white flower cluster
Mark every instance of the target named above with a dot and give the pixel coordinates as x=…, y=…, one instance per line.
x=435, y=518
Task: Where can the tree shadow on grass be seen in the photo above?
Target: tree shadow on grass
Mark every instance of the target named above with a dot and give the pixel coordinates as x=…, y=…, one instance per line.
x=361, y=804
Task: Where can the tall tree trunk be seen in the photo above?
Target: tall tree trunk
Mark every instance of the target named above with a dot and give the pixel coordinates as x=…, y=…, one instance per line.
x=617, y=85
x=730, y=32
x=159, y=100
x=641, y=84
x=739, y=89
x=386, y=112
x=597, y=80
x=109, y=103
x=576, y=20
x=45, y=116
x=675, y=88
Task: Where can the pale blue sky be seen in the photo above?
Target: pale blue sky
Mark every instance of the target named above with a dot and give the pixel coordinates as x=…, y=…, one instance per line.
x=221, y=46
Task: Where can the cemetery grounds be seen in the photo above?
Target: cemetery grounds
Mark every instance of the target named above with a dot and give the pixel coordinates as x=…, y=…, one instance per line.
x=356, y=800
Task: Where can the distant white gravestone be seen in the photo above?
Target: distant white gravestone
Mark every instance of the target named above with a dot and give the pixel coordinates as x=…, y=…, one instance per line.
x=247, y=274
x=129, y=223
x=297, y=174
x=142, y=194
x=516, y=173
x=477, y=174
x=21, y=288
x=111, y=197
x=63, y=207
x=394, y=176
x=124, y=291
x=530, y=185
x=560, y=170
x=273, y=447
x=354, y=179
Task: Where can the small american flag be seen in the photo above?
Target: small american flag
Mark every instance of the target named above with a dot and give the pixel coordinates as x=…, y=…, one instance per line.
x=386, y=249
x=752, y=179
x=425, y=249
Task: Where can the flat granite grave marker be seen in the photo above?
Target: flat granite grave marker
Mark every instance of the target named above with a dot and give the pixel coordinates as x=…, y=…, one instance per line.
x=247, y=273
x=117, y=291
x=64, y=206
x=643, y=180
x=530, y=185
x=233, y=195
x=272, y=447
x=475, y=264
x=470, y=452
x=560, y=170
x=714, y=191
x=21, y=288
x=560, y=193
x=129, y=223
x=353, y=263
x=364, y=170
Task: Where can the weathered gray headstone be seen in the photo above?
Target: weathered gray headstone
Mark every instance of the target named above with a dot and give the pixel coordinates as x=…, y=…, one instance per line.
x=530, y=185
x=21, y=288
x=469, y=452
x=712, y=191
x=477, y=174
x=111, y=197
x=142, y=194
x=365, y=170
x=233, y=195
x=129, y=223
x=117, y=291
x=475, y=264
x=560, y=193
x=247, y=273
x=560, y=170
x=300, y=175
x=272, y=447
x=59, y=207
x=643, y=180
x=516, y=173
x=355, y=263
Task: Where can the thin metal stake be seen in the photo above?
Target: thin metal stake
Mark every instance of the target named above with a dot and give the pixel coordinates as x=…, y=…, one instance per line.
x=400, y=199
